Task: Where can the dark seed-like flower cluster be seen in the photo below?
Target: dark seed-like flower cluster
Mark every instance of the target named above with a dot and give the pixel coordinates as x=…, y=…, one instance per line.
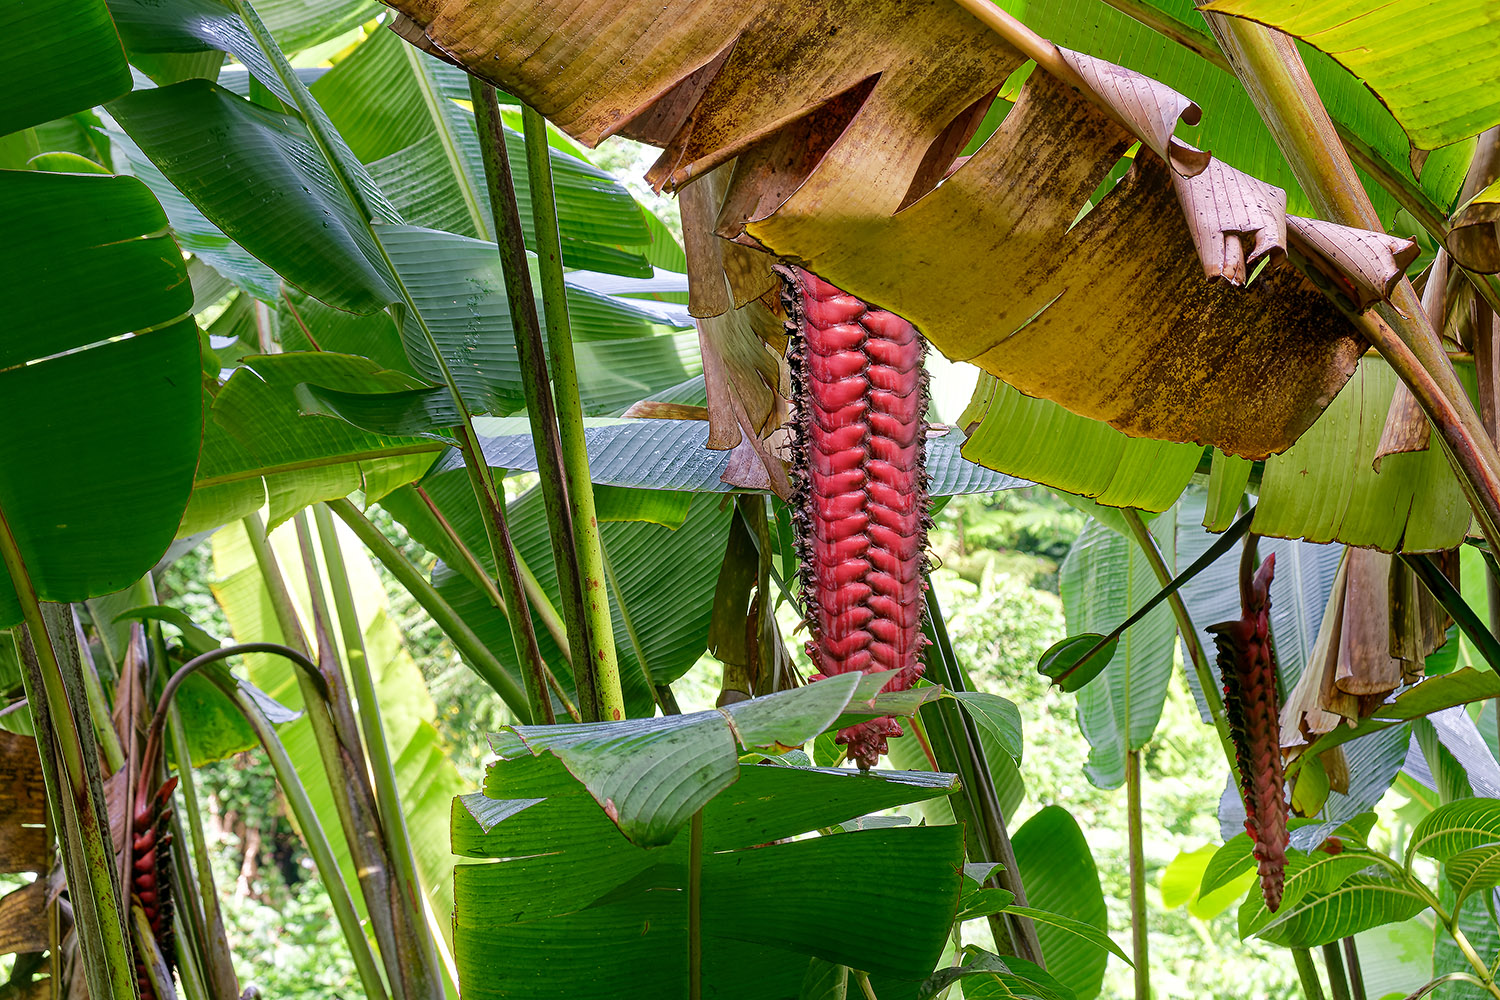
x=1247, y=664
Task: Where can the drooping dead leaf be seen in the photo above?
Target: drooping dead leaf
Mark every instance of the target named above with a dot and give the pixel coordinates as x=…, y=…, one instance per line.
x=1367, y=266
x=23, y=919
x=1378, y=629
x=844, y=120
x=23, y=807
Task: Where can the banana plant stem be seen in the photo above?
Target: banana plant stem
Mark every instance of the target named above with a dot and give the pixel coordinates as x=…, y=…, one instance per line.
x=1136, y=835
x=575, y=447
x=474, y=652
x=1307, y=971
x=956, y=745
x=1186, y=629
x=517, y=610
x=541, y=409
x=1356, y=974
x=382, y=768
x=219, y=960
x=312, y=835
x=533, y=587
x=76, y=791
x=1269, y=66
x=1338, y=983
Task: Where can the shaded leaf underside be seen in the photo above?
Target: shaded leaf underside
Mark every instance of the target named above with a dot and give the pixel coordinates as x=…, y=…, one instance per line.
x=844, y=118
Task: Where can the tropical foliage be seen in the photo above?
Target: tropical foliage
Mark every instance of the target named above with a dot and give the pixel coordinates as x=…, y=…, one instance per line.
x=330, y=364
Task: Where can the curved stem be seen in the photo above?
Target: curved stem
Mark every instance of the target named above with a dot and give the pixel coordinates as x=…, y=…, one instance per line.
x=382, y=768
x=169, y=690
x=312, y=834
x=1460, y=939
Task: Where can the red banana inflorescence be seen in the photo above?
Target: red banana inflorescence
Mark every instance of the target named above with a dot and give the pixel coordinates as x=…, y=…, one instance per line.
x=860, y=490
x=1247, y=664
x=151, y=871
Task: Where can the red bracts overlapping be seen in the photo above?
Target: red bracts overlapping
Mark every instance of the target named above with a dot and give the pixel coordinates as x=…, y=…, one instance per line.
x=861, y=490
x=1247, y=665
x=151, y=872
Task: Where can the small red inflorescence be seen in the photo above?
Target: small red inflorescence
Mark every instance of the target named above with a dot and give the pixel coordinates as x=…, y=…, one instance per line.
x=1247, y=664
x=151, y=872
x=860, y=490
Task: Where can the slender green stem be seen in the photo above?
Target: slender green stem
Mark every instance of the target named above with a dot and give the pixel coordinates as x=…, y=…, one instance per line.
x=220, y=961
x=541, y=409
x=956, y=745
x=1356, y=974
x=1186, y=629
x=382, y=768
x=1136, y=836
x=1307, y=971
x=76, y=791
x=313, y=836
x=517, y=610
x=1268, y=64
x=665, y=699
x=695, y=907
x=474, y=652
x=865, y=987
x=1225, y=542
x=1462, y=940
x=1333, y=962
x=575, y=447
x=1467, y=620
x=109, y=740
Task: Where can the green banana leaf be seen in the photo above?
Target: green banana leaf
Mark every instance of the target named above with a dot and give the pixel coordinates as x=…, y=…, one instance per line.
x=1104, y=580
x=575, y=894
x=1434, y=65
x=1058, y=871
x=85, y=396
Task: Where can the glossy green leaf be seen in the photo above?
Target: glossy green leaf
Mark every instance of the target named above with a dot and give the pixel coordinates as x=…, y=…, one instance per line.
x=1182, y=879
x=1435, y=66
x=1073, y=662
x=83, y=394
x=1459, y=826
x=1088, y=932
x=651, y=775
x=391, y=102
x=1472, y=870
x=990, y=977
x=1058, y=870
x=1359, y=903
x=57, y=57
x=532, y=910
x=259, y=443
x=1308, y=876
x=1104, y=579
x=996, y=715
x=1037, y=440
x=195, y=234
x=260, y=177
